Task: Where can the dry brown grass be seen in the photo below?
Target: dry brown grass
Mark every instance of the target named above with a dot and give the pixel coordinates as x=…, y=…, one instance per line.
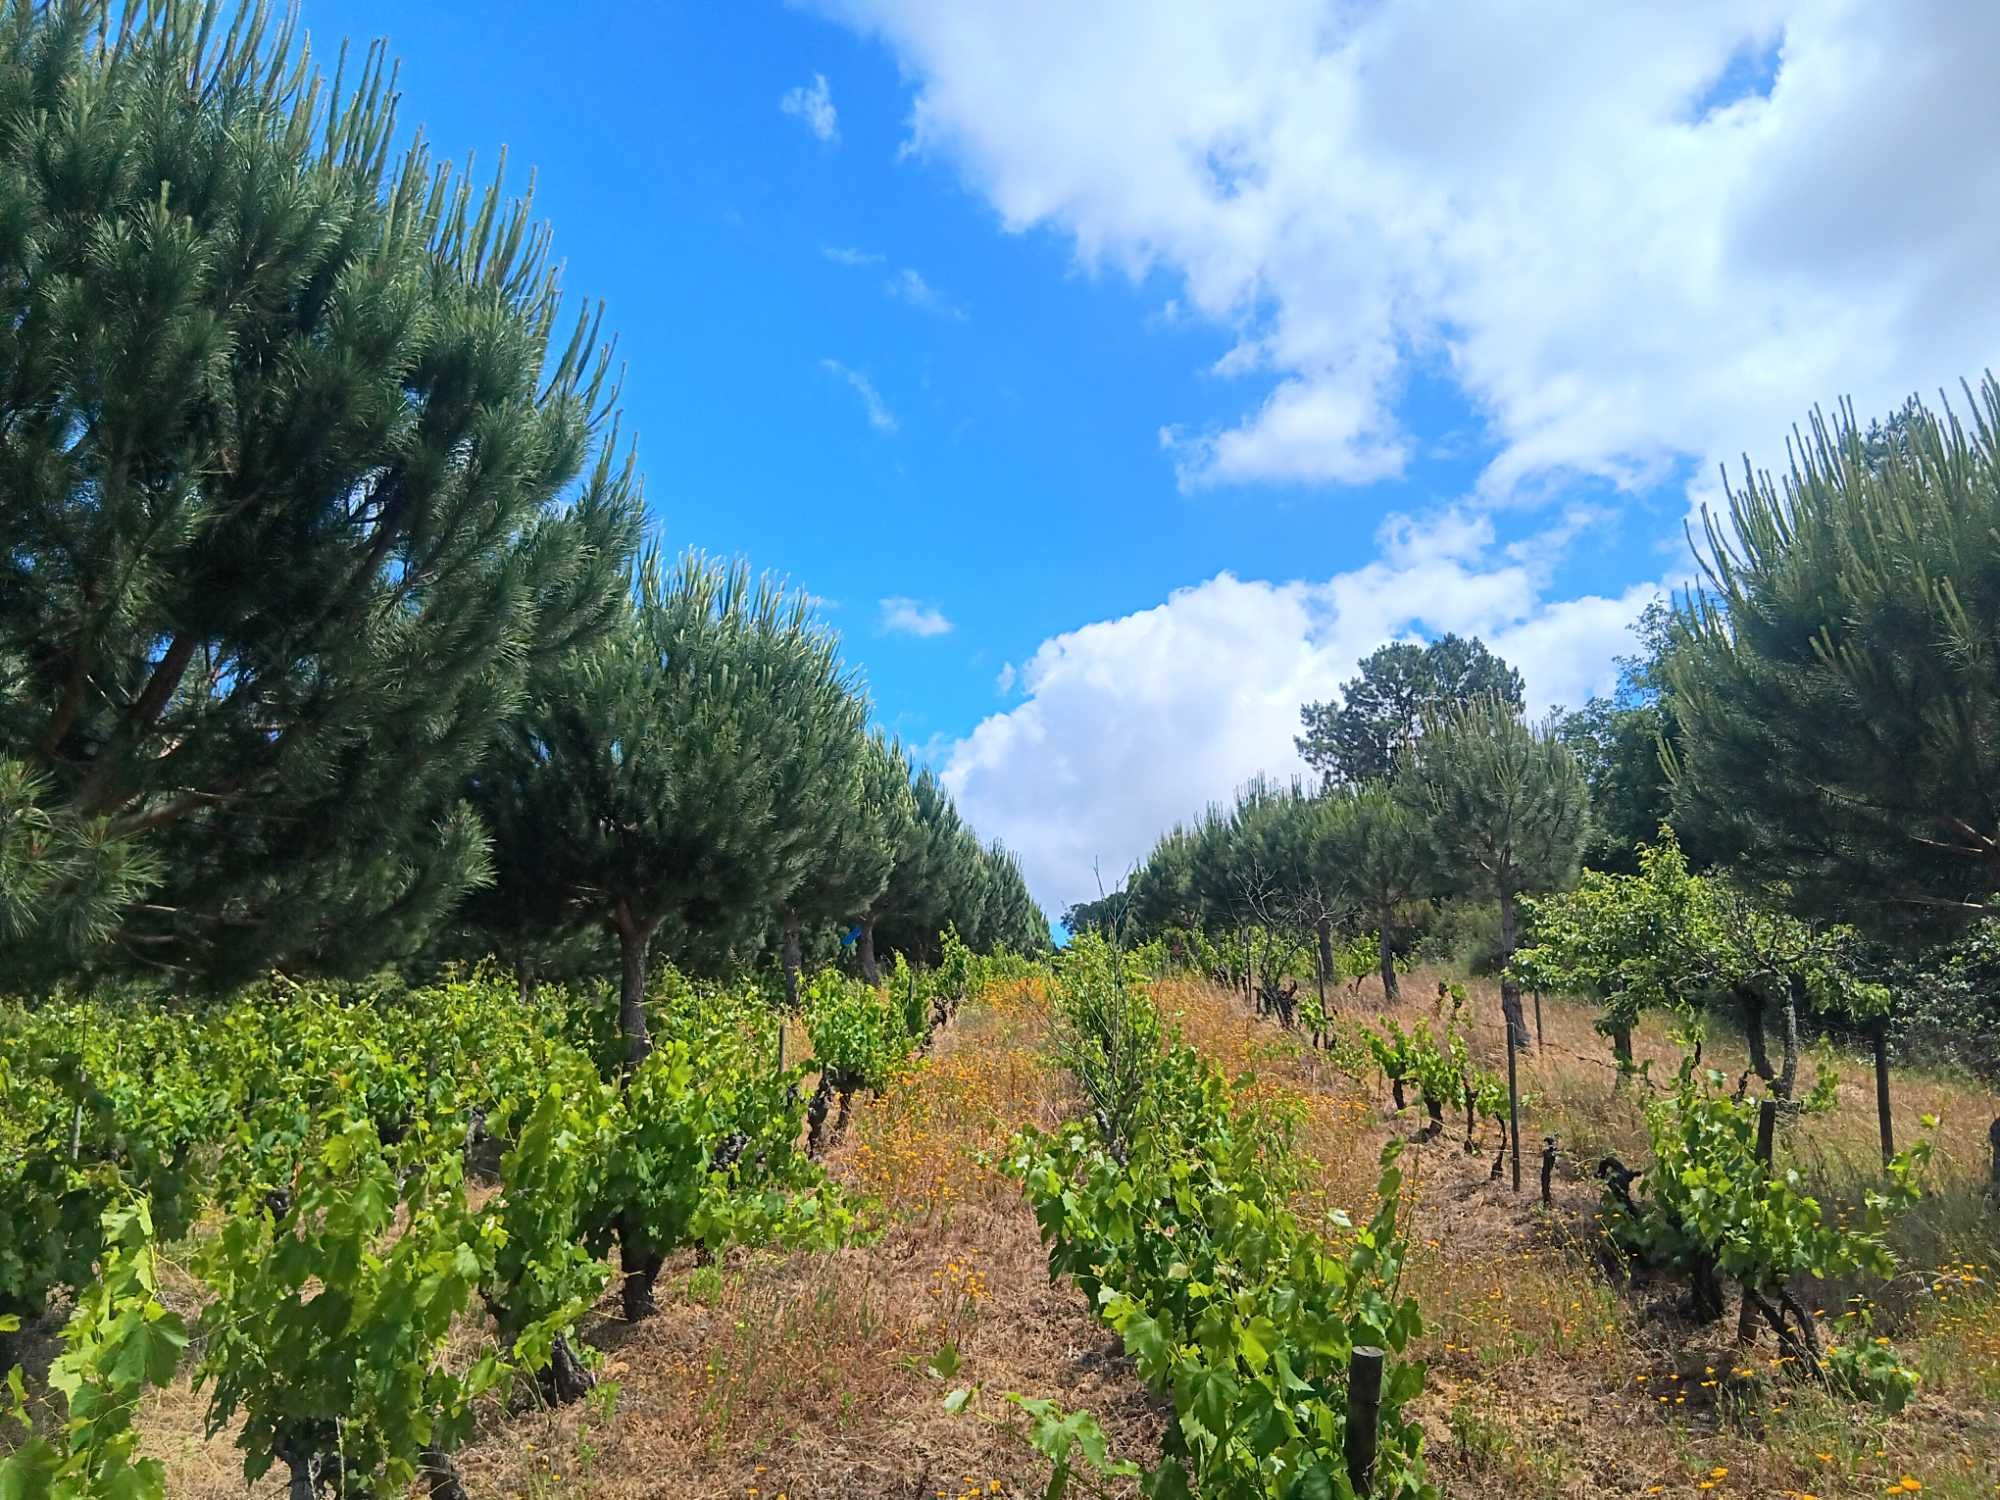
x=1547, y=1378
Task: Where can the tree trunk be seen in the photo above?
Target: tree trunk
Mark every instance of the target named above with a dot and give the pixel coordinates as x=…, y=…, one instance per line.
x=1993, y=1137
x=1788, y=1081
x=870, y=970
x=633, y=937
x=441, y=1474
x=816, y=1108
x=641, y=1269
x=1325, y=926
x=1539, y=1043
x=1510, y=988
x=1878, y=1036
x=567, y=1378
x=1514, y=1110
x=1621, y=1049
x=1250, y=970
x=792, y=962
x=1391, y=990
x=1753, y=1033
x=524, y=978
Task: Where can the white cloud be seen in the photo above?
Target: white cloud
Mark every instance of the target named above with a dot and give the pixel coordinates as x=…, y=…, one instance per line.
x=879, y=415
x=1549, y=208
x=905, y=616
x=1003, y=680
x=1129, y=725
x=848, y=255
x=813, y=103
x=909, y=286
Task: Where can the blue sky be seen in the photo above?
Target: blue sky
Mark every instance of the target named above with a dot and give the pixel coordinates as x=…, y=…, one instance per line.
x=926, y=351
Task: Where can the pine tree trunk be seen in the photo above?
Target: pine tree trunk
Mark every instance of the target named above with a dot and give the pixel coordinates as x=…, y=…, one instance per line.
x=633, y=937
x=1325, y=958
x=1621, y=1049
x=1510, y=988
x=524, y=978
x=791, y=962
x=1517, y=1025
x=1391, y=990
x=870, y=970
x=1878, y=1037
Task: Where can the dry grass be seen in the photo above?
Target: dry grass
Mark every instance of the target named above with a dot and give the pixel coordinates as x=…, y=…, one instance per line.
x=772, y=1375
x=1549, y=1379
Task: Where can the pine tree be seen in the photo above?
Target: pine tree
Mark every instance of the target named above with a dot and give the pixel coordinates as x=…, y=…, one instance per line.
x=1358, y=738
x=890, y=820
x=645, y=786
x=1508, y=812
x=304, y=471
x=1838, y=682
x=1383, y=850
x=841, y=793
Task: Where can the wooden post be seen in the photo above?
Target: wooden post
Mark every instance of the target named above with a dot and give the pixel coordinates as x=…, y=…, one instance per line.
x=1548, y=1169
x=1541, y=1045
x=1994, y=1135
x=1364, y=1413
x=1514, y=1109
x=1879, y=1036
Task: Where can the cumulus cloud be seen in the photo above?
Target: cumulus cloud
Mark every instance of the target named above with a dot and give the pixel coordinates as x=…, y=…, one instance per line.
x=813, y=103
x=1127, y=725
x=1637, y=241
x=879, y=415
x=905, y=616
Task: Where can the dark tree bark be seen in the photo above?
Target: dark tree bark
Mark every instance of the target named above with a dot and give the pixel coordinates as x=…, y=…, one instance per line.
x=1391, y=990
x=1753, y=1033
x=642, y=1273
x=634, y=935
x=567, y=1378
x=792, y=961
x=816, y=1109
x=441, y=1476
x=1621, y=1049
x=524, y=978
x=1517, y=1026
x=870, y=970
x=1325, y=933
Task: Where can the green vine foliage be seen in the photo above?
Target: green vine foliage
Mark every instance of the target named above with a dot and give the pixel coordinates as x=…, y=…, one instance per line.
x=859, y=1034
x=328, y=1325
x=1712, y=1209
x=119, y=1340
x=1180, y=1236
